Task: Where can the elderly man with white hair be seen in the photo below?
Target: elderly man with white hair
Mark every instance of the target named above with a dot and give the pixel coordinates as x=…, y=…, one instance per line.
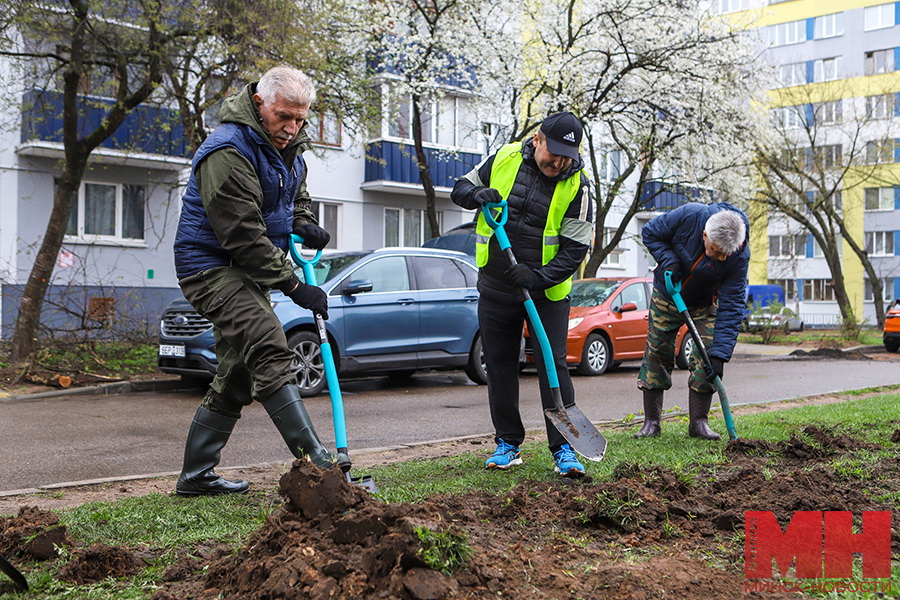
x=704, y=246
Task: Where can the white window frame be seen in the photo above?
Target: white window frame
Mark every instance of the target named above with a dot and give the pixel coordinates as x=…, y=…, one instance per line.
x=789, y=246
x=403, y=237
x=818, y=290
x=328, y=214
x=731, y=6
x=880, y=152
x=880, y=16
x=828, y=113
x=827, y=69
x=879, y=61
x=828, y=26
x=885, y=198
x=879, y=243
x=790, y=117
x=785, y=34
x=116, y=238
x=441, y=118
x=792, y=74
x=613, y=260
x=880, y=106
x=887, y=289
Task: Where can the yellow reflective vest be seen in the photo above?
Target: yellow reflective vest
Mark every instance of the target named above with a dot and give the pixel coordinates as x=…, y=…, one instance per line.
x=503, y=174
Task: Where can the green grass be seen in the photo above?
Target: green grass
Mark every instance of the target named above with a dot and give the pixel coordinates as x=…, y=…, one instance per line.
x=868, y=336
x=164, y=523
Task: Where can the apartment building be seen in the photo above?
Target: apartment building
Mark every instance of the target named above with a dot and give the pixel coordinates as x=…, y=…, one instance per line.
x=836, y=91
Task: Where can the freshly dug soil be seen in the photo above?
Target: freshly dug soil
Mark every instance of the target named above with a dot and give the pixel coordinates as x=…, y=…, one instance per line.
x=646, y=533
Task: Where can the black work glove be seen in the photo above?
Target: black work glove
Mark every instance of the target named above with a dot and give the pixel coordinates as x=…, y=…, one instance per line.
x=521, y=276
x=716, y=368
x=313, y=236
x=486, y=195
x=675, y=268
x=306, y=296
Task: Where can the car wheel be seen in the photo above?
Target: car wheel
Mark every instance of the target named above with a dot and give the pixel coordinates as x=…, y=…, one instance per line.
x=307, y=363
x=683, y=356
x=596, y=356
x=476, y=369
x=892, y=345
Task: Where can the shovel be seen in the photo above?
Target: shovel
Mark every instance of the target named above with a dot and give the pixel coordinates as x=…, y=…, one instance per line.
x=334, y=388
x=13, y=573
x=674, y=290
x=568, y=420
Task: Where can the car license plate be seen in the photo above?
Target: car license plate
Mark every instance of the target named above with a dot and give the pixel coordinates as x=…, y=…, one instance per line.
x=176, y=350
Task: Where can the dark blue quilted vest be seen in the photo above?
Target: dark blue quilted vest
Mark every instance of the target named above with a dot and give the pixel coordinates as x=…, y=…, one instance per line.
x=196, y=246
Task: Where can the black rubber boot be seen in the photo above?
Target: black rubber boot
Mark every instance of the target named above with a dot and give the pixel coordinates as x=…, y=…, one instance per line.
x=698, y=407
x=286, y=409
x=208, y=435
x=653, y=403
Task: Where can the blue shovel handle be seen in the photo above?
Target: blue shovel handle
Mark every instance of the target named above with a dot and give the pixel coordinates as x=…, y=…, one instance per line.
x=334, y=389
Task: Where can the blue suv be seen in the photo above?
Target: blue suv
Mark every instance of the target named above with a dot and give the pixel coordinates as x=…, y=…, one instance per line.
x=392, y=311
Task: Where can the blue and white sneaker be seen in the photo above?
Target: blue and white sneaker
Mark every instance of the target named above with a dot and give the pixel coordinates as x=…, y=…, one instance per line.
x=567, y=464
x=504, y=457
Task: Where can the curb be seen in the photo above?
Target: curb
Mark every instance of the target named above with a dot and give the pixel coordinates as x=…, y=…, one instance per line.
x=105, y=389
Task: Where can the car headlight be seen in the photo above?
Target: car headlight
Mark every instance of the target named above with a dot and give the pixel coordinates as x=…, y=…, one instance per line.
x=575, y=322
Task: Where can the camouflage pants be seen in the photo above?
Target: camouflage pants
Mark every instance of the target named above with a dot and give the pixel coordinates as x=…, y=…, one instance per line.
x=659, y=354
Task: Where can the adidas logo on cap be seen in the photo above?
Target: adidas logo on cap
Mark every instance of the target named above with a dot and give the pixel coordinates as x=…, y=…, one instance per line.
x=570, y=137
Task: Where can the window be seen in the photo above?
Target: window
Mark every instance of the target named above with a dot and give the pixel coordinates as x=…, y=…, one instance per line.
x=787, y=33
x=108, y=212
x=828, y=113
x=407, y=227
x=827, y=157
x=789, y=117
x=614, y=258
x=828, y=26
x=879, y=152
x=792, y=74
x=434, y=273
x=387, y=274
x=880, y=198
x=827, y=69
x=880, y=243
x=887, y=287
x=818, y=290
x=789, y=286
x=879, y=61
x=879, y=17
x=324, y=128
x=448, y=121
x=787, y=246
x=880, y=107
x=730, y=6
x=327, y=215
x=611, y=165
x=636, y=293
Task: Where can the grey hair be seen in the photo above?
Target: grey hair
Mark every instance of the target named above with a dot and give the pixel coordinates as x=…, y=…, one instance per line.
x=726, y=231
x=289, y=84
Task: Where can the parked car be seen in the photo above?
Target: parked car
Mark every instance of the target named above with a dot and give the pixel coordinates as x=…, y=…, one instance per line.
x=892, y=327
x=765, y=309
x=608, y=324
x=460, y=238
x=392, y=311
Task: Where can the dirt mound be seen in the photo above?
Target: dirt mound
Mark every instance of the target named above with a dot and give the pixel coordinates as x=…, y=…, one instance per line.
x=99, y=561
x=831, y=353
x=33, y=533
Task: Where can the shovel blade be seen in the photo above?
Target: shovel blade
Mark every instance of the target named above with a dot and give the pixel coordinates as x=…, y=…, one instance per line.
x=365, y=481
x=13, y=573
x=578, y=430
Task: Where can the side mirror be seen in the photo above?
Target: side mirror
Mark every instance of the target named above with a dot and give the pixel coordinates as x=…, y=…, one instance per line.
x=357, y=286
x=628, y=306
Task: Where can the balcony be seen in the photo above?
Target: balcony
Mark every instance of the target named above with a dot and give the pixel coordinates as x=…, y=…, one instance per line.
x=662, y=196
x=392, y=164
x=147, y=131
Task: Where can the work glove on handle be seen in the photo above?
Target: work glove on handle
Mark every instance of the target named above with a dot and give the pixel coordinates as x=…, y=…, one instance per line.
x=313, y=236
x=487, y=195
x=306, y=296
x=522, y=276
x=716, y=368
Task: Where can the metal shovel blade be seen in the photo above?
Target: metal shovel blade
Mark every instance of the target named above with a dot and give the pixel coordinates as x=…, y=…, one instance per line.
x=13, y=573
x=365, y=481
x=578, y=431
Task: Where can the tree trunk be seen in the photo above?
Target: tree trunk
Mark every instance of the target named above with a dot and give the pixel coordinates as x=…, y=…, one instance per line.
x=22, y=345
x=424, y=171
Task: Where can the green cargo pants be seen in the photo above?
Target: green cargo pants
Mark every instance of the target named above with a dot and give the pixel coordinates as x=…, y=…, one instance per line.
x=254, y=359
x=659, y=354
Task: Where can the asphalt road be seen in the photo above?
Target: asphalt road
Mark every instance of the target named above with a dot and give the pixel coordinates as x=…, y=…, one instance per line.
x=79, y=438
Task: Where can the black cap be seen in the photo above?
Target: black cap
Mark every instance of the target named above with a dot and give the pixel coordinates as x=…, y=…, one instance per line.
x=563, y=131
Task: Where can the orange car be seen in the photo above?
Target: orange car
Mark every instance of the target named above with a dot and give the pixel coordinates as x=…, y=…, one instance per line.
x=608, y=324
x=892, y=327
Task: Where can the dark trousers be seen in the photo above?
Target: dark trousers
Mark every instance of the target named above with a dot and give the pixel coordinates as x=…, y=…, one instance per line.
x=254, y=359
x=501, y=332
